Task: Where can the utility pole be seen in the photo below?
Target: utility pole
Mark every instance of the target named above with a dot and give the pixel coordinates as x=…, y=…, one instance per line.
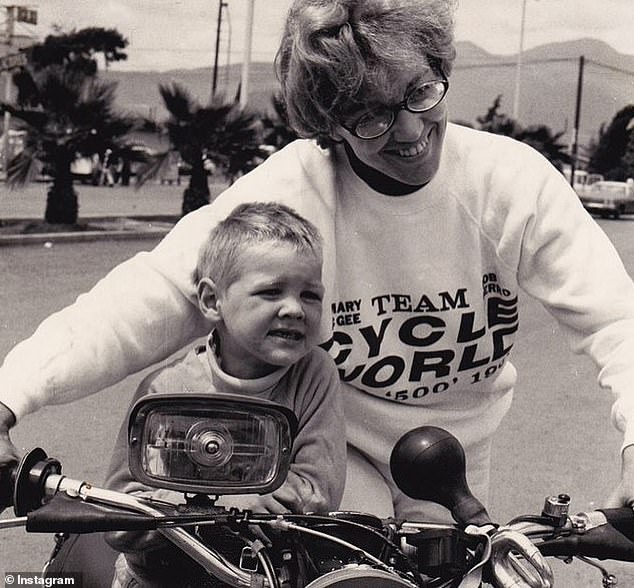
x=246, y=59
x=8, y=63
x=9, y=31
x=518, y=69
x=214, y=81
x=575, y=130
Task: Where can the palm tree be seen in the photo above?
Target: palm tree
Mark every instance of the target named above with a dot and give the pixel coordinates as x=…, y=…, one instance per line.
x=614, y=142
x=277, y=131
x=77, y=49
x=540, y=137
x=66, y=114
x=496, y=122
x=220, y=133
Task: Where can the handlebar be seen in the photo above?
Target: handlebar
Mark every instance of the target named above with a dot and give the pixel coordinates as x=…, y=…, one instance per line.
x=622, y=519
x=44, y=500
x=37, y=480
x=601, y=534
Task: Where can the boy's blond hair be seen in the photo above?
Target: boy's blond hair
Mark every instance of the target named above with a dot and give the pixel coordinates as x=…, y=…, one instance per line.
x=246, y=225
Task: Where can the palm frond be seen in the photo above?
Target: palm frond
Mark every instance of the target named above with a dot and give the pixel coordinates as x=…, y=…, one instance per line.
x=59, y=90
x=96, y=101
x=178, y=101
x=22, y=169
x=27, y=87
x=36, y=119
x=154, y=167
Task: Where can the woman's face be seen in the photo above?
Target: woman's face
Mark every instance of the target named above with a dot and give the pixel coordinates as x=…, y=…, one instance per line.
x=410, y=151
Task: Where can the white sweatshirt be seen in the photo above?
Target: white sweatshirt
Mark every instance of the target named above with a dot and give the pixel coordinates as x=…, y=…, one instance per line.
x=422, y=290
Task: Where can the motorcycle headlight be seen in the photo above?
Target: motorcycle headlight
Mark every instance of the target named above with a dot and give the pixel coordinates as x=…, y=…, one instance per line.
x=212, y=445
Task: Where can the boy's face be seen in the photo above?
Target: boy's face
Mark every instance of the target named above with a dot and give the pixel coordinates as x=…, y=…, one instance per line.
x=270, y=314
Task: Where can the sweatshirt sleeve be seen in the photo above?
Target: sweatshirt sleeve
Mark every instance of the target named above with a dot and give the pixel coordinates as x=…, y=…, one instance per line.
x=569, y=264
x=318, y=469
x=140, y=313
x=144, y=310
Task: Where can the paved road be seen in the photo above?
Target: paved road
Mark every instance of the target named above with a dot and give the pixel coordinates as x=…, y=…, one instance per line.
x=36, y=282
x=557, y=437
x=152, y=199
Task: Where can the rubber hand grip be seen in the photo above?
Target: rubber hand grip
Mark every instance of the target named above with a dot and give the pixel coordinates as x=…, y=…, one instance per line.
x=622, y=519
x=7, y=480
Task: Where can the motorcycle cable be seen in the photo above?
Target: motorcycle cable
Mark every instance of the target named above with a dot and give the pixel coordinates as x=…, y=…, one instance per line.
x=536, y=519
x=361, y=526
x=274, y=520
x=259, y=550
x=284, y=525
x=404, y=560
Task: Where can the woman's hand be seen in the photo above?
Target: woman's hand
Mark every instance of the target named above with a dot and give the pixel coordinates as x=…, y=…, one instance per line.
x=135, y=541
x=623, y=494
x=142, y=541
x=8, y=451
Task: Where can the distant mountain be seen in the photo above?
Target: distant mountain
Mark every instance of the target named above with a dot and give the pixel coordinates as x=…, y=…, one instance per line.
x=469, y=53
x=548, y=85
x=591, y=48
x=548, y=90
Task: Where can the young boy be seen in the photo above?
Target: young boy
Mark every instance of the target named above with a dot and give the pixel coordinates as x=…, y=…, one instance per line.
x=259, y=286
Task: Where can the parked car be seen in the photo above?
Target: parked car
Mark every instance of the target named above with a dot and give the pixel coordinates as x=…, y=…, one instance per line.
x=608, y=198
x=83, y=169
x=584, y=180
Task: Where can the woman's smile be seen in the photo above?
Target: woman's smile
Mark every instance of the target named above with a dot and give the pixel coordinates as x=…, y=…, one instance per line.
x=420, y=148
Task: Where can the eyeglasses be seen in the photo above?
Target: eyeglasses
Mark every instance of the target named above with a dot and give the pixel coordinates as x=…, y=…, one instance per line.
x=376, y=123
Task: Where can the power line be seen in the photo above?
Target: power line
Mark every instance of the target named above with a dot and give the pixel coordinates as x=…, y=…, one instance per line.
x=513, y=63
x=494, y=64
x=491, y=64
x=205, y=51
x=610, y=67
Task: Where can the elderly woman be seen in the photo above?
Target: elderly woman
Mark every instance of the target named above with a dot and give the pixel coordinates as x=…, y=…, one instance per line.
x=431, y=230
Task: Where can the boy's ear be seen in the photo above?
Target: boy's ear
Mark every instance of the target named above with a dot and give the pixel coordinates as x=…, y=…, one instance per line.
x=208, y=299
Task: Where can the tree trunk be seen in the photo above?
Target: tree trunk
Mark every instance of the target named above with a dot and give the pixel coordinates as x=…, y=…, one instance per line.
x=61, y=203
x=197, y=193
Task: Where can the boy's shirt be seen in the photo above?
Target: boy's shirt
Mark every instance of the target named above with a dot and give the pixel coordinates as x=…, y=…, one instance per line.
x=310, y=388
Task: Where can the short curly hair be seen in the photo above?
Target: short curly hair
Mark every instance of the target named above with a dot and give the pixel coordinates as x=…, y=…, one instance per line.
x=333, y=52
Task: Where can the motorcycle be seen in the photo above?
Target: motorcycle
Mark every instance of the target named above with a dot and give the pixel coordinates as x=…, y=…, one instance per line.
x=210, y=447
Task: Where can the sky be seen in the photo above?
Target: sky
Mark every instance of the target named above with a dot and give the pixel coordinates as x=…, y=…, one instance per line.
x=170, y=34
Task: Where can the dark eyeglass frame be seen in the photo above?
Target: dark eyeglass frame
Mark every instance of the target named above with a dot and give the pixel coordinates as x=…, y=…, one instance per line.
x=403, y=105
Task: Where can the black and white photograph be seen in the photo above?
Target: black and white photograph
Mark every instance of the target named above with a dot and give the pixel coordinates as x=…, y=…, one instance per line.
x=317, y=293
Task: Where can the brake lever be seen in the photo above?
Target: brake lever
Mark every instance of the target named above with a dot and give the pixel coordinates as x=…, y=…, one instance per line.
x=517, y=562
x=609, y=580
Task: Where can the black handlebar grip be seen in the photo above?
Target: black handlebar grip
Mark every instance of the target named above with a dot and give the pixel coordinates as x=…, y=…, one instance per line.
x=602, y=542
x=622, y=519
x=7, y=481
x=63, y=514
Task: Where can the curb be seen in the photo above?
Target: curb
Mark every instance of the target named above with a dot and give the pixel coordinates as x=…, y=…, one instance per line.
x=139, y=228
x=35, y=239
